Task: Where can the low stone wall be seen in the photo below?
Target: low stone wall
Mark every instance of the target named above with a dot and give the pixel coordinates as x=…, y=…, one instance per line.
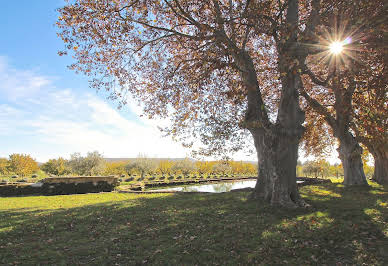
x=62, y=186
x=7, y=190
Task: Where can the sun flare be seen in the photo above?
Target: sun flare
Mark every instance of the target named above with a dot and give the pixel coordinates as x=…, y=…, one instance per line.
x=336, y=47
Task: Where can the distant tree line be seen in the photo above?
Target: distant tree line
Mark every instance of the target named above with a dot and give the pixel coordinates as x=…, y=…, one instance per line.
x=95, y=164
x=323, y=169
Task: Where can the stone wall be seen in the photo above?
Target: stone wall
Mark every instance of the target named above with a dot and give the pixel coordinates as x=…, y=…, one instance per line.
x=62, y=186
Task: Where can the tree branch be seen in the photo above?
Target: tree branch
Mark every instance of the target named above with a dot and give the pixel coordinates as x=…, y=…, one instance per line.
x=319, y=108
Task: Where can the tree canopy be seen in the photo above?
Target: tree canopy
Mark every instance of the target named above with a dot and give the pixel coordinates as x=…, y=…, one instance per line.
x=181, y=60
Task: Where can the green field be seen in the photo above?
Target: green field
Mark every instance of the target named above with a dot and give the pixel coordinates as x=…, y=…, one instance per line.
x=344, y=226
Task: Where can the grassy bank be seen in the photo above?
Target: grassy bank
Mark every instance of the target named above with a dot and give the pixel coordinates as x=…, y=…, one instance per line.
x=346, y=226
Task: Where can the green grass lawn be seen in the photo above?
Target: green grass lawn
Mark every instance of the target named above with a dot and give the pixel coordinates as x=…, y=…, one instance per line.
x=344, y=226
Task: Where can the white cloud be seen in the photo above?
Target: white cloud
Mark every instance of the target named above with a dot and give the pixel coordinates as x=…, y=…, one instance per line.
x=8, y=119
x=16, y=84
x=42, y=120
x=105, y=130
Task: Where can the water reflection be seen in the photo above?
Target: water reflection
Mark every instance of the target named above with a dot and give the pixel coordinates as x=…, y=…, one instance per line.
x=214, y=188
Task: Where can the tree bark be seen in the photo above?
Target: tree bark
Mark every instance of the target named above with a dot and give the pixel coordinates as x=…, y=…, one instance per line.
x=276, y=143
x=350, y=155
x=277, y=157
x=380, y=156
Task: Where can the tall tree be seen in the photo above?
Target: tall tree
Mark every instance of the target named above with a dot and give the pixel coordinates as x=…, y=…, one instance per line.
x=202, y=63
x=371, y=113
x=332, y=90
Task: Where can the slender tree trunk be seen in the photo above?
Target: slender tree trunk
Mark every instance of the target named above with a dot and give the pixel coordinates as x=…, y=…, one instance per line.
x=350, y=154
x=380, y=156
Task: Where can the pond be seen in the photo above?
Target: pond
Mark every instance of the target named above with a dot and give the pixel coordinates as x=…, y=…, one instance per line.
x=215, y=188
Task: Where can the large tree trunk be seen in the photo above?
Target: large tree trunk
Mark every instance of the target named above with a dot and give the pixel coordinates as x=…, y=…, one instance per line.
x=350, y=154
x=380, y=155
x=277, y=157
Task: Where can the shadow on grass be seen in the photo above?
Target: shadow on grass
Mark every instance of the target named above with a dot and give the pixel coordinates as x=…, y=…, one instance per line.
x=187, y=229
x=356, y=227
